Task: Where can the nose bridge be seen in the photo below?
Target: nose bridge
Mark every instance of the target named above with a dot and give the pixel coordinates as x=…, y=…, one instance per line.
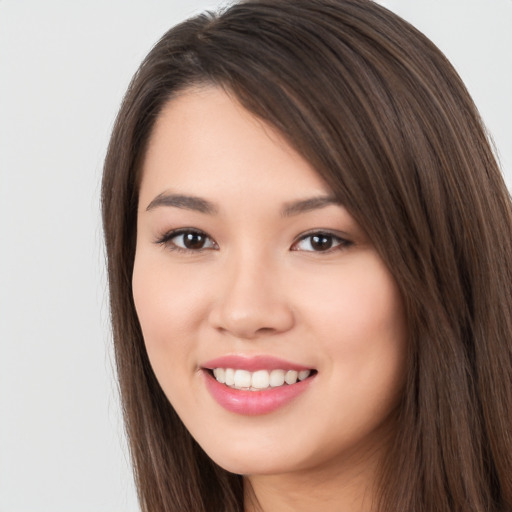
x=251, y=300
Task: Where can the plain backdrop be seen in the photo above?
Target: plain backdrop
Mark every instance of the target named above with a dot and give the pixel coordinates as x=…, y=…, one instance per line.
x=64, y=67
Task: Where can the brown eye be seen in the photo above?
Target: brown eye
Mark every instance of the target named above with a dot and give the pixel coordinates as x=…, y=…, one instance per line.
x=320, y=242
x=187, y=240
x=194, y=240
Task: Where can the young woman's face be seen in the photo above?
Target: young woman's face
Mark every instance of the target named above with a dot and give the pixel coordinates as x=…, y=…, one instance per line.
x=248, y=268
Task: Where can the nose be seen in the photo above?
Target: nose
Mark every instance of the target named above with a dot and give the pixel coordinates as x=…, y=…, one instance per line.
x=251, y=302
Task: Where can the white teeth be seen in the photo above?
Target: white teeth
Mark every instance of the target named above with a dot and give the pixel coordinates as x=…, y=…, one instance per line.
x=229, y=377
x=258, y=380
x=242, y=379
x=220, y=375
x=276, y=378
x=291, y=377
x=304, y=374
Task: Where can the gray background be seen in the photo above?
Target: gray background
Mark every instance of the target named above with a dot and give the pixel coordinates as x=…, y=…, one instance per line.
x=64, y=67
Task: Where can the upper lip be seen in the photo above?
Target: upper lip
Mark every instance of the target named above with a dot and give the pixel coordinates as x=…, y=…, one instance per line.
x=252, y=363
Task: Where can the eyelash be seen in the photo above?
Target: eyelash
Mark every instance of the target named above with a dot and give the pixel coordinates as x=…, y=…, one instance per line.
x=341, y=243
x=167, y=241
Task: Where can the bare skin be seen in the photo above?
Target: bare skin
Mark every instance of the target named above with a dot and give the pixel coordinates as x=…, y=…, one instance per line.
x=243, y=252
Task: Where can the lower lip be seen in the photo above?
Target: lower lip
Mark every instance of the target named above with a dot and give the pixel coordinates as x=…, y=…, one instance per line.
x=252, y=403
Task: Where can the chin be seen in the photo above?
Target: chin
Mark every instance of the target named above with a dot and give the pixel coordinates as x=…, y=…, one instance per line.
x=253, y=460
x=242, y=466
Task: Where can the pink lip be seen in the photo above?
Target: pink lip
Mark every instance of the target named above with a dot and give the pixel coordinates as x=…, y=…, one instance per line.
x=252, y=403
x=252, y=363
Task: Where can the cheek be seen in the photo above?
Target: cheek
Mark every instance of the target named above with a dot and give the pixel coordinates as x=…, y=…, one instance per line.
x=364, y=334
x=169, y=309
x=378, y=338
x=361, y=305
x=359, y=318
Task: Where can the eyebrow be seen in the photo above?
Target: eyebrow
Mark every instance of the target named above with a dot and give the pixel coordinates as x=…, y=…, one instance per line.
x=182, y=201
x=201, y=205
x=306, y=205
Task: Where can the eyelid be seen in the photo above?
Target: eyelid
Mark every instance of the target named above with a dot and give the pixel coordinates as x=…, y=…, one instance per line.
x=343, y=241
x=166, y=240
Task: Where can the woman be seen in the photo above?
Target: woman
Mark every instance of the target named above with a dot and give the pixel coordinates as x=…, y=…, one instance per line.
x=309, y=258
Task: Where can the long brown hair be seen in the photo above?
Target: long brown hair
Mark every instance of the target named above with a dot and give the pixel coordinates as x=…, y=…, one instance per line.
x=382, y=116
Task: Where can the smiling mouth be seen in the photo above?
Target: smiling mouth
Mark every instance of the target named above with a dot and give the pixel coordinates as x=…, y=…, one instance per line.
x=259, y=380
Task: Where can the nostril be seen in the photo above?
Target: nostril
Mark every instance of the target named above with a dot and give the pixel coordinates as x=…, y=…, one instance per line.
x=265, y=330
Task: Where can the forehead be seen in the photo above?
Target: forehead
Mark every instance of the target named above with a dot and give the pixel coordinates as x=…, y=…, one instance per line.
x=206, y=141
